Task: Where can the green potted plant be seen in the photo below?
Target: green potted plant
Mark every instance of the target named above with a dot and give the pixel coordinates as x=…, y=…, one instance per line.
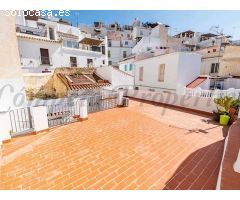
x=224, y=104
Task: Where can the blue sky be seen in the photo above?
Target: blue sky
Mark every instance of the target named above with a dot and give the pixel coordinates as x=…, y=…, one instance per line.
x=179, y=21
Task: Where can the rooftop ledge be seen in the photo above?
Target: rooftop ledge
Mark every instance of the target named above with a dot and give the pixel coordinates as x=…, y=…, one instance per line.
x=229, y=175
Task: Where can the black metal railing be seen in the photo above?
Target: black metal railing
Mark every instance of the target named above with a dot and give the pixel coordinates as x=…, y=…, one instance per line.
x=102, y=102
x=21, y=120
x=62, y=113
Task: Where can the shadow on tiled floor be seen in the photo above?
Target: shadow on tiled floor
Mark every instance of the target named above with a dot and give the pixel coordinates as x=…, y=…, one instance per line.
x=199, y=171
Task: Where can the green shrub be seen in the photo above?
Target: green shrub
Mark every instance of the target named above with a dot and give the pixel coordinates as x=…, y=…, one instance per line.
x=224, y=104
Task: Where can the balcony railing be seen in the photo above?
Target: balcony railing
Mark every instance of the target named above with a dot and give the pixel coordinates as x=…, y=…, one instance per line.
x=31, y=31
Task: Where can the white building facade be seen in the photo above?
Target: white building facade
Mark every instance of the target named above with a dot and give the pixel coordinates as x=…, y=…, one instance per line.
x=45, y=44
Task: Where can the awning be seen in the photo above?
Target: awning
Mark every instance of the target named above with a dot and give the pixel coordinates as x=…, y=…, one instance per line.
x=91, y=41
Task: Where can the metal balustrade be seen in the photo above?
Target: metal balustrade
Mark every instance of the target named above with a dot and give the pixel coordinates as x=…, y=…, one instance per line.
x=63, y=113
x=21, y=121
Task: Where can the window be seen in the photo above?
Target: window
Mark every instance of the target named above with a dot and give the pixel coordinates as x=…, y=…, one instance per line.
x=70, y=44
x=124, y=54
x=89, y=61
x=109, y=62
x=45, y=60
x=208, y=51
x=214, y=68
x=51, y=33
x=109, y=43
x=130, y=67
x=125, y=67
x=161, y=73
x=126, y=42
x=141, y=74
x=103, y=62
x=214, y=50
x=103, y=50
x=109, y=53
x=73, y=61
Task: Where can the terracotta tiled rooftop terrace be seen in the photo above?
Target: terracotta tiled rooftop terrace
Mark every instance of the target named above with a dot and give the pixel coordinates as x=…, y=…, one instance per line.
x=143, y=146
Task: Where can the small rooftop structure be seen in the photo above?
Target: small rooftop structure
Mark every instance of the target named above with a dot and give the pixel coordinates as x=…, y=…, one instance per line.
x=81, y=80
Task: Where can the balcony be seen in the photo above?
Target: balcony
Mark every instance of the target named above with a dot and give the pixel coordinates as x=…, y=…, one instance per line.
x=31, y=31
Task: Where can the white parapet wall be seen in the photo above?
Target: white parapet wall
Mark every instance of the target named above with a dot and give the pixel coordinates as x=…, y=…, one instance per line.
x=40, y=119
x=116, y=77
x=190, y=102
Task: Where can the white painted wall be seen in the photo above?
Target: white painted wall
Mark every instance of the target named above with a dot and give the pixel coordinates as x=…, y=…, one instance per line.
x=189, y=65
x=180, y=69
x=115, y=77
x=82, y=56
x=29, y=51
x=12, y=94
x=39, y=116
x=196, y=103
x=139, y=31
x=116, y=53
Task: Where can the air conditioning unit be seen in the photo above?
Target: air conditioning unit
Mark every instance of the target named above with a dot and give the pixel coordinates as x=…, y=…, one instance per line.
x=125, y=102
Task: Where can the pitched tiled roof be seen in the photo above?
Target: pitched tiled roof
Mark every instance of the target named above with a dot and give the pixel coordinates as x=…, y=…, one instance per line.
x=82, y=81
x=196, y=82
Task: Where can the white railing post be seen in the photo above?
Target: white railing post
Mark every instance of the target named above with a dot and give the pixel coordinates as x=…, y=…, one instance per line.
x=120, y=98
x=198, y=92
x=39, y=116
x=83, y=109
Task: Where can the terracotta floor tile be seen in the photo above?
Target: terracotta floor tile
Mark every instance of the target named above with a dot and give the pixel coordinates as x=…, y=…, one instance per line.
x=139, y=147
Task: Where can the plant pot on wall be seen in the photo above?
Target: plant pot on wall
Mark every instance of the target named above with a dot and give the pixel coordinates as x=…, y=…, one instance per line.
x=224, y=119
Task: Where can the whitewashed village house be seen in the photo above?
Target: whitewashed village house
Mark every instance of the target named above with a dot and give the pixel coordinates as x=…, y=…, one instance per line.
x=207, y=74
x=167, y=72
x=120, y=39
